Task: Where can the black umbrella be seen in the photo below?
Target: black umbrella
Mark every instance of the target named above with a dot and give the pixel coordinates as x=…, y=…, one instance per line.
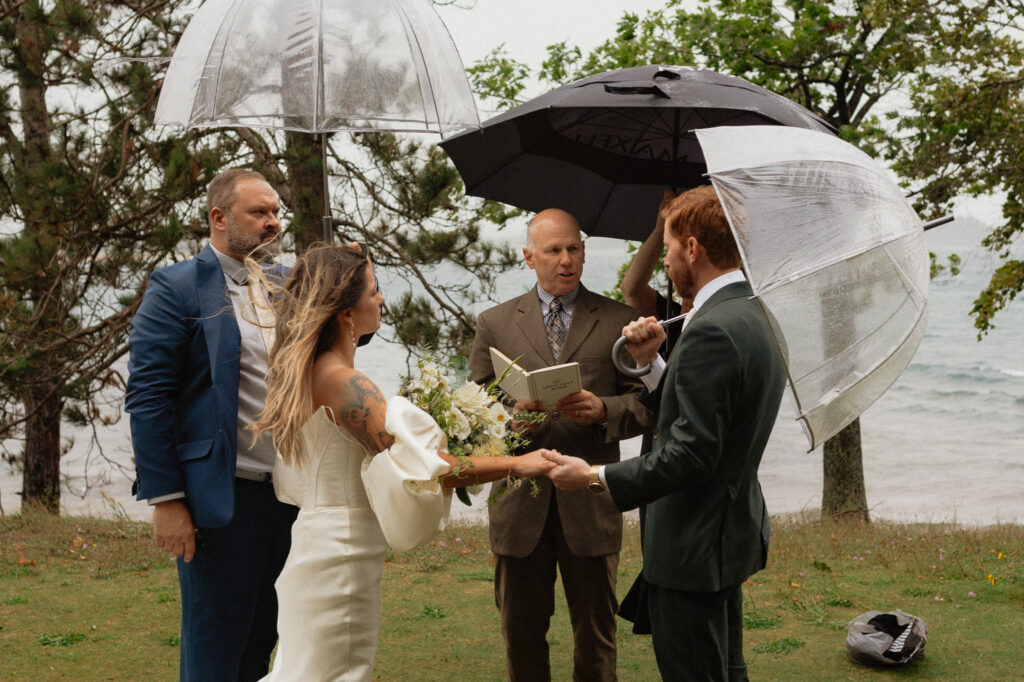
x=606, y=147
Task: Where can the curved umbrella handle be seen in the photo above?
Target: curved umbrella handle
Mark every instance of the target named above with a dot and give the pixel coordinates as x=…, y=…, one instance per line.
x=621, y=366
x=637, y=371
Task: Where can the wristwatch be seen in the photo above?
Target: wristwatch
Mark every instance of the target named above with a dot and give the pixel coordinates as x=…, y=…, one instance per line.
x=594, y=484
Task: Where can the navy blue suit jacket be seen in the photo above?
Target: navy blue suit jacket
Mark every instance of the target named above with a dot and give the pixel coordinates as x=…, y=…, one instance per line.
x=182, y=391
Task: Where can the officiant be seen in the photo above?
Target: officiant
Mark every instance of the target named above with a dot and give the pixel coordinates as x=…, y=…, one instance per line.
x=579, y=533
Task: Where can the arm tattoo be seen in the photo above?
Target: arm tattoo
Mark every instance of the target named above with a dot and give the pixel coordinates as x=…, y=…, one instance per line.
x=361, y=411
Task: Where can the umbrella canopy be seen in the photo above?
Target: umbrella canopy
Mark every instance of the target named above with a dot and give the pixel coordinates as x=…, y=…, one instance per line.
x=605, y=148
x=317, y=66
x=835, y=253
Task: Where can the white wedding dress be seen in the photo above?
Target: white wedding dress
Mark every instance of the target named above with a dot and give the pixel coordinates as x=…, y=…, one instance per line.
x=329, y=592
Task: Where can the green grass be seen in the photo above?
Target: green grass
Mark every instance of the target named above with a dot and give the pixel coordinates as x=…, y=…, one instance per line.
x=87, y=599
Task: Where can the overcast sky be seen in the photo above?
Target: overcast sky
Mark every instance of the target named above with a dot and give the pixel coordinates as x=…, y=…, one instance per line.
x=527, y=27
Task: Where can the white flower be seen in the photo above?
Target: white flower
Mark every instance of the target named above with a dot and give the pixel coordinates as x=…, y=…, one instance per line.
x=460, y=423
x=473, y=399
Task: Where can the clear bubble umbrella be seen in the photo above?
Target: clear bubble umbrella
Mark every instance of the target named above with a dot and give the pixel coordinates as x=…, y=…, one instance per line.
x=318, y=66
x=834, y=251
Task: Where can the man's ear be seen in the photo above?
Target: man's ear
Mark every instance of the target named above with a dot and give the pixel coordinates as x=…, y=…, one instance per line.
x=693, y=249
x=528, y=257
x=218, y=218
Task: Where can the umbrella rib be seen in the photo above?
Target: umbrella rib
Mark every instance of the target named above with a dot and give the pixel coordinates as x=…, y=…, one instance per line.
x=917, y=322
x=819, y=266
x=406, y=25
x=220, y=67
x=318, y=92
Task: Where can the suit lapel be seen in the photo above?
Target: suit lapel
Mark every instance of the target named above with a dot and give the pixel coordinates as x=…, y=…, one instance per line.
x=735, y=290
x=531, y=324
x=217, y=317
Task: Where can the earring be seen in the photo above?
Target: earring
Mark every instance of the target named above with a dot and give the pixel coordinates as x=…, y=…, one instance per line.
x=352, y=334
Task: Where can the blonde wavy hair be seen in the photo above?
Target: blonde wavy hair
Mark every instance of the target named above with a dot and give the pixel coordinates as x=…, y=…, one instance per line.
x=325, y=281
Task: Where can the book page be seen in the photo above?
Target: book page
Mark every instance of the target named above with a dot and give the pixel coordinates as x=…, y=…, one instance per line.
x=549, y=384
x=516, y=383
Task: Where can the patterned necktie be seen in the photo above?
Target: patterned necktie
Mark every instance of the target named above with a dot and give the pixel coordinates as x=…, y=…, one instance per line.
x=556, y=328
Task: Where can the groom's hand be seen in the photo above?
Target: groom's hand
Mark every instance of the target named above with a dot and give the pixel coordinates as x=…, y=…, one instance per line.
x=571, y=473
x=173, y=529
x=643, y=339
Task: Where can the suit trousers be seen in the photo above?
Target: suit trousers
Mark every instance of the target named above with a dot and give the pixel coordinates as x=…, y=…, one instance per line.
x=228, y=602
x=524, y=591
x=698, y=636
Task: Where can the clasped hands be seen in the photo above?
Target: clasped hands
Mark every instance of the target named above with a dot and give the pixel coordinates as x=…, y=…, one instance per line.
x=643, y=339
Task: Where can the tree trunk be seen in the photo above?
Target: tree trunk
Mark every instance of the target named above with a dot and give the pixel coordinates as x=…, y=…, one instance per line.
x=843, y=494
x=306, y=184
x=41, y=476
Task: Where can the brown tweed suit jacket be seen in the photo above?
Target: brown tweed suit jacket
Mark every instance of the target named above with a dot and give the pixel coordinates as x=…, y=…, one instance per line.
x=591, y=523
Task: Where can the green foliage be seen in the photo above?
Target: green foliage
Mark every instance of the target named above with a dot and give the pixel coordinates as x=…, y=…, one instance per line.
x=779, y=646
x=406, y=200
x=756, y=621
x=62, y=639
x=935, y=87
x=92, y=198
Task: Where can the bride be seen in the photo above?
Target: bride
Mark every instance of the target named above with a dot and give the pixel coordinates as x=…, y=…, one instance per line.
x=327, y=417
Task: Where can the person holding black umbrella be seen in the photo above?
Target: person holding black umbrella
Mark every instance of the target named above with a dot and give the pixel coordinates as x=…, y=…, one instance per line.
x=707, y=524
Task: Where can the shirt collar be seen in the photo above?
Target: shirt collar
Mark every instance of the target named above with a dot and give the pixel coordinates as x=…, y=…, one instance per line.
x=233, y=269
x=568, y=299
x=712, y=287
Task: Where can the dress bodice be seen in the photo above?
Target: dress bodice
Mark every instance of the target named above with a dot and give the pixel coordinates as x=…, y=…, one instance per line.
x=329, y=473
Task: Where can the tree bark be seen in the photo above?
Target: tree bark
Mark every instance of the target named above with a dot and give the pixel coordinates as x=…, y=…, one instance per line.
x=843, y=493
x=41, y=475
x=306, y=185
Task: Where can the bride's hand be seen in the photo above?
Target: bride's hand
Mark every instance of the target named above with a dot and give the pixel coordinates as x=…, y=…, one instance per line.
x=532, y=464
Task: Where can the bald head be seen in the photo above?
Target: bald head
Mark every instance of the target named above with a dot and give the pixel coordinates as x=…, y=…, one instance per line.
x=550, y=217
x=555, y=251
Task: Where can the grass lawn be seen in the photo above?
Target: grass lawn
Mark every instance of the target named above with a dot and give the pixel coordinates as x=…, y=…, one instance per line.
x=89, y=599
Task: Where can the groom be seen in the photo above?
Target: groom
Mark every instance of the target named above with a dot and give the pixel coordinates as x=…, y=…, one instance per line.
x=197, y=378
x=707, y=525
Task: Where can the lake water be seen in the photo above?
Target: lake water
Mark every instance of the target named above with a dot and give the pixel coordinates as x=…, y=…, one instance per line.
x=946, y=443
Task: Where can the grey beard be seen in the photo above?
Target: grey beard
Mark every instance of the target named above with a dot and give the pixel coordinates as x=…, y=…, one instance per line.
x=253, y=247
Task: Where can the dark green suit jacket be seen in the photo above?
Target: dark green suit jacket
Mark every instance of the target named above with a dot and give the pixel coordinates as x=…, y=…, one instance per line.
x=707, y=525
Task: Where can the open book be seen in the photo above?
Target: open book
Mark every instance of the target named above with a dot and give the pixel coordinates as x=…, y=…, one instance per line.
x=545, y=385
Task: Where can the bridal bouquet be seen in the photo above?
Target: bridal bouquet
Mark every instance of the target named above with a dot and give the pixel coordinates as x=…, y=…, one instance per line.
x=472, y=417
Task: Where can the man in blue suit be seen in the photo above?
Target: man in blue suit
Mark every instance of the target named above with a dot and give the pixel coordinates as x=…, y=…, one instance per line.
x=707, y=525
x=197, y=378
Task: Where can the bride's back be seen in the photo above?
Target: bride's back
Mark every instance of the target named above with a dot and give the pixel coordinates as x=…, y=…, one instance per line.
x=328, y=474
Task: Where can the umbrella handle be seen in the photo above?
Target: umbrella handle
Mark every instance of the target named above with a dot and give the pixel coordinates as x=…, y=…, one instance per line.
x=621, y=366
x=617, y=352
